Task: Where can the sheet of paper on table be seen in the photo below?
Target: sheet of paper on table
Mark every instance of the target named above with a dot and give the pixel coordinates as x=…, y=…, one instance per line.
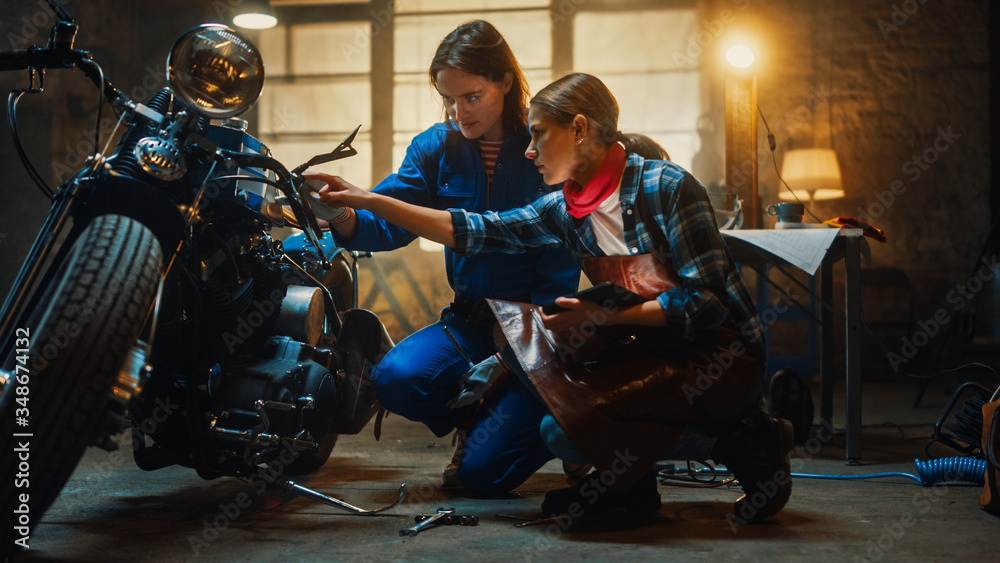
x=803, y=248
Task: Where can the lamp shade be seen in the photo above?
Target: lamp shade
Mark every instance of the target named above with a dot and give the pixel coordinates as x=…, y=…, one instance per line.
x=811, y=174
x=255, y=14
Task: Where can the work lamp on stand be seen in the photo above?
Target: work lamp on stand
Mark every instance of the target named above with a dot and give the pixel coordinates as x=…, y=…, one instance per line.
x=741, y=130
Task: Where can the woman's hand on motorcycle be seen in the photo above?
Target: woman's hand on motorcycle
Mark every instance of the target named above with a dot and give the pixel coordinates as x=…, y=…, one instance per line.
x=345, y=223
x=338, y=192
x=433, y=224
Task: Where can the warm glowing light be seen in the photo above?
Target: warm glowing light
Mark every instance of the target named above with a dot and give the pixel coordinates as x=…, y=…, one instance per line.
x=255, y=20
x=812, y=174
x=740, y=56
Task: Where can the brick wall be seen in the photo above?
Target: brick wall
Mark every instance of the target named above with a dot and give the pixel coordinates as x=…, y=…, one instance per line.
x=900, y=88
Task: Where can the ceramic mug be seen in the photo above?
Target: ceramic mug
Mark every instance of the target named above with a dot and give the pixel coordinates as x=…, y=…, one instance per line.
x=787, y=212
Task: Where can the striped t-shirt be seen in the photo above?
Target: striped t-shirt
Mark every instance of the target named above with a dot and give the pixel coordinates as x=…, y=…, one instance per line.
x=490, y=150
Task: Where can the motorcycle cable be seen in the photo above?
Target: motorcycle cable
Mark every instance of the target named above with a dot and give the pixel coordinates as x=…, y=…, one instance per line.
x=12, y=99
x=193, y=211
x=15, y=97
x=331, y=305
x=100, y=103
x=99, y=158
x=249, y=179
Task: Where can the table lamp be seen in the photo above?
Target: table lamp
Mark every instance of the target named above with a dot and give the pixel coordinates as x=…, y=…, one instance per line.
x=812, y=174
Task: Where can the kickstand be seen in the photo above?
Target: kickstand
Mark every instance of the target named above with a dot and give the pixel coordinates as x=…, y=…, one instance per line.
x=295, y=487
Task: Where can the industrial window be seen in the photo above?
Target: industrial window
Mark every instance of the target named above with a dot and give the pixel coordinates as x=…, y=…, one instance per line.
x=317, y=90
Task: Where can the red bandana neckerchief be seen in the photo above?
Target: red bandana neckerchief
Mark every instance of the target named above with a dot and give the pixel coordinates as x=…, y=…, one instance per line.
x=582, y=200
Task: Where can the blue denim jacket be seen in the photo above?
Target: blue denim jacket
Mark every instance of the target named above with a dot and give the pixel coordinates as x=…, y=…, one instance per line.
x=442, y=169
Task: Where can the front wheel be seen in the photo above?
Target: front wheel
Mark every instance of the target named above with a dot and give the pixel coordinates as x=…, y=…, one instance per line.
x=65, y=361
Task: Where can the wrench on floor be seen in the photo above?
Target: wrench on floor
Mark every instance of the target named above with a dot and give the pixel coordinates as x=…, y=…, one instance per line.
x=427, y=523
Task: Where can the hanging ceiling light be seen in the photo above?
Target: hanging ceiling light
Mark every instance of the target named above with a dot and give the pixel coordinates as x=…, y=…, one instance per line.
x=255, y=14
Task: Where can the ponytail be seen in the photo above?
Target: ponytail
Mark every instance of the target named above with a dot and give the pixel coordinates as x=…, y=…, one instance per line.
x=585, y=94
x=643, y=146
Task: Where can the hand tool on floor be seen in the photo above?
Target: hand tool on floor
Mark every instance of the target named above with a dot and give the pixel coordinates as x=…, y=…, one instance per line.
x=431, y=521
x=451, y=519
x=533, y=521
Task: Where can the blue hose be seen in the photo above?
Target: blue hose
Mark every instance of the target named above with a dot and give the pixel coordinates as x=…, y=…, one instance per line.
x=947, y=469
x=952, y=469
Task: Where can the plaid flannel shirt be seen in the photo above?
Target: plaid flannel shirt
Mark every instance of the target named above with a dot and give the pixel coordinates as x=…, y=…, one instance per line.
x=711, y=290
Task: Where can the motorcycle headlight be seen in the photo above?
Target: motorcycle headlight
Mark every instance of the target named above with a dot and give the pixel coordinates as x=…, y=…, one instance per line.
x=216, y=70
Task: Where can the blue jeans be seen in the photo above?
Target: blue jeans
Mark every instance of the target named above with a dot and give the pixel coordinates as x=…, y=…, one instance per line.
x=504, y=446
x=421, y=374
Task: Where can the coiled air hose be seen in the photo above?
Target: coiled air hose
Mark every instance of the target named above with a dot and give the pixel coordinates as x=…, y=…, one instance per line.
x=942, y=470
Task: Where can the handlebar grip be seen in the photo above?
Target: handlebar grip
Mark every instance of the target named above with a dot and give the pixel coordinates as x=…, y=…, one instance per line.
x=22, y=59
x=15, y=60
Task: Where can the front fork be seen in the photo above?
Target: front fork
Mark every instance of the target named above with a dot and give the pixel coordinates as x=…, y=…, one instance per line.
x=39, y=267
x=134, y=372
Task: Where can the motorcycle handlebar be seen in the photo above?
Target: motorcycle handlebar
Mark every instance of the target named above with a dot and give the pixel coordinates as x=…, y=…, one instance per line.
x=35, y=57
x=38, y=58
x=288, y=183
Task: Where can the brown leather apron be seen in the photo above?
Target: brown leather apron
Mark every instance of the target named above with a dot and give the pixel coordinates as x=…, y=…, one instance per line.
x=624, y=410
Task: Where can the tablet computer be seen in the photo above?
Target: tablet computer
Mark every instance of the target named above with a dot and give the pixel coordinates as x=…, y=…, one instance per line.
x=602, y=293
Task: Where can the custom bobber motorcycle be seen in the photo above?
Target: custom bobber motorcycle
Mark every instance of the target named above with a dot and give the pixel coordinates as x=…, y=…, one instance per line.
x=156, y=302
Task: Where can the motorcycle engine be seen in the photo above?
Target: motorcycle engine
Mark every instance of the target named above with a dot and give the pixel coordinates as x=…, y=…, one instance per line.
x=283, y=401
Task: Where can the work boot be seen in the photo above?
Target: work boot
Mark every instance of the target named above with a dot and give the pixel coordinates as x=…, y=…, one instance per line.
x=576, y=470
x=449, y=476
x=756, y=451
x=592, y=497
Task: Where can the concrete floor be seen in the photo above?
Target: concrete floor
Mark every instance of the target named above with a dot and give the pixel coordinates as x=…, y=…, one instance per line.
x=113, y=511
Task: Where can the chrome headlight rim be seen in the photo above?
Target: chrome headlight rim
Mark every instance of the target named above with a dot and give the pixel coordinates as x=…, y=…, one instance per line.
x=201, y=87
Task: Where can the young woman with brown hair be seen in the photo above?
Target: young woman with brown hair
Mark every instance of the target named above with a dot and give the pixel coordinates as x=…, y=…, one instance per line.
x=622, y=383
